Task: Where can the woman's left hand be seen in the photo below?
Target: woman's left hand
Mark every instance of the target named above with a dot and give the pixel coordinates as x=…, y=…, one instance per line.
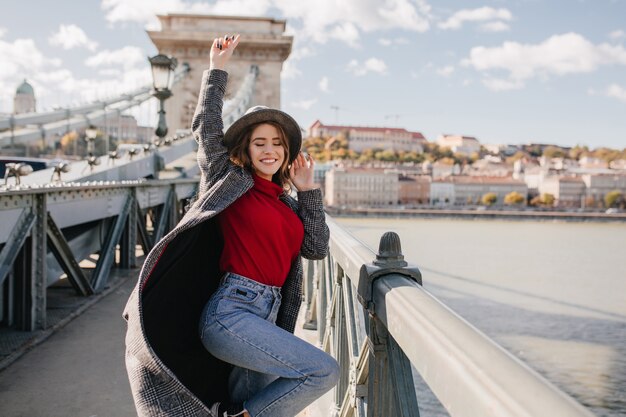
x=301, y=173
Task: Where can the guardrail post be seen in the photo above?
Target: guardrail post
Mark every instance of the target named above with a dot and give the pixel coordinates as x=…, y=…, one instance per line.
x=391, y=389
x=30, y=272
x=128, y=258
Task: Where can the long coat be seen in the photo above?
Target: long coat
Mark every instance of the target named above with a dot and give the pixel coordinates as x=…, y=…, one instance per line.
x=170, y=372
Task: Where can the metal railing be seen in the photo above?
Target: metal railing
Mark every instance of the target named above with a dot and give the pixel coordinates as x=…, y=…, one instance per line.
x=375, y=318
x=63, y=120
x=62, y=225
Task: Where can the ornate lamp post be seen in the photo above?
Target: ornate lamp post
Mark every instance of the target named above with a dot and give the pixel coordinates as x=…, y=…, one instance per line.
x=163, y=76
x=90, y=136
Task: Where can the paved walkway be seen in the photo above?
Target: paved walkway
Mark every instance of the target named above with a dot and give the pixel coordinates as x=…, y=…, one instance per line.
x=79, y=371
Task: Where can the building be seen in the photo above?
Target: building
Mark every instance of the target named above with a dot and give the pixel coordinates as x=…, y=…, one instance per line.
x=413, y=190
x=361, y=187
x=567, y=191
x=24, y=99
x=440, y=169
x=187, y=37
x=490, y=166
x=598, y=185
x=361, y=138
x=465, y=190
x=465, y=145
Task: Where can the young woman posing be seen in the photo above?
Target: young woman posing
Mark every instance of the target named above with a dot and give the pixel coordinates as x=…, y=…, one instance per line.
x=211, y=319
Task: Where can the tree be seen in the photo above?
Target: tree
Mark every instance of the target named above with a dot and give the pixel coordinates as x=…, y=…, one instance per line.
x=553, y=152
x=547, y=199
x=489, y=199
x=614, y=198
x=514, y=198
x=516, y=157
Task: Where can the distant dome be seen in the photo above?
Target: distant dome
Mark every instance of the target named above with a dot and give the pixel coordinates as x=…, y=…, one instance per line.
x=25, y=88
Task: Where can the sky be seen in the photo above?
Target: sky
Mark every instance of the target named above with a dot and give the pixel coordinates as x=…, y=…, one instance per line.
x=503, y=71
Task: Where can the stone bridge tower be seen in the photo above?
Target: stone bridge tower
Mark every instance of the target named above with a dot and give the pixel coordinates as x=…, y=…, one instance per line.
x=188, y=38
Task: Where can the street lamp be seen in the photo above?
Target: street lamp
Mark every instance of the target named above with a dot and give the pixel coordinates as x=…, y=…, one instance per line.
x=163, y=77
x=90, y=136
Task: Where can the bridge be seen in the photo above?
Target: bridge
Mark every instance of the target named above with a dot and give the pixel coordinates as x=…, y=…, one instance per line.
x=71, y=246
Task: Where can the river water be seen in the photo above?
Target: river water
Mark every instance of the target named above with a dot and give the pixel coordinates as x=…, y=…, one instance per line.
x=552, y=293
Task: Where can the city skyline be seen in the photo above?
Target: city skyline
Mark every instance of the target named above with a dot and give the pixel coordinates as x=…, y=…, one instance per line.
x=501, y=71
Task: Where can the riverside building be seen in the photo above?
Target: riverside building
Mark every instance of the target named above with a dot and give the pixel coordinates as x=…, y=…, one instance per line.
x=361, y=138
x=465, y=145
x=361, y=187
x=468, y=190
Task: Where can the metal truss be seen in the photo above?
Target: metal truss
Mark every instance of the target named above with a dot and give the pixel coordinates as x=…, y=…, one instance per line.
x=44, y=228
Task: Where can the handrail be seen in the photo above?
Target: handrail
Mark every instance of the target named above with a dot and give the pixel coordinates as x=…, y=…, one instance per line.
x=62, y=120
x=470, y=374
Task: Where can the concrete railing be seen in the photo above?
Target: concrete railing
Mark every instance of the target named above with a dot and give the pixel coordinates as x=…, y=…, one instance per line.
x=373, y=315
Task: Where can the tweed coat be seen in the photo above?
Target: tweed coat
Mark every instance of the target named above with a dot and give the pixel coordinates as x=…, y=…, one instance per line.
x=170, y=372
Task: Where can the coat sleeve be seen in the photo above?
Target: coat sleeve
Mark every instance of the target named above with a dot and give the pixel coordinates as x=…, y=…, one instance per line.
x=316, y=233
x=208, y=129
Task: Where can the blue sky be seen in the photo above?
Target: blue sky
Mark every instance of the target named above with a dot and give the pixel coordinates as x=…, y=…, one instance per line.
x=518, y=71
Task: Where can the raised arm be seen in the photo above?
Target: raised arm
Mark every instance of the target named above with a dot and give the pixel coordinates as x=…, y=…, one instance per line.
x=310, y=208
x=207, y=124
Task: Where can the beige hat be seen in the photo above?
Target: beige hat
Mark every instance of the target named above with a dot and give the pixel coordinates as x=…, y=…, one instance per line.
x=261, y=114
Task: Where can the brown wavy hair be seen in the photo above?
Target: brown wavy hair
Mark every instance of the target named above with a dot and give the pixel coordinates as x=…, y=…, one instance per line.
x=240, y=156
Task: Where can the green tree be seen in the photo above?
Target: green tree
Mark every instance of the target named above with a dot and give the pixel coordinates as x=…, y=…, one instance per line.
x=614, y=198
x=489, y=199
x=547, y=199
x=515, y=157
x=514, y=198
x=578, y=152
x=553, y=152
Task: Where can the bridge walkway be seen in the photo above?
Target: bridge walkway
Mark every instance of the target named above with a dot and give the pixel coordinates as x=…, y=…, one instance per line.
x=79, y=369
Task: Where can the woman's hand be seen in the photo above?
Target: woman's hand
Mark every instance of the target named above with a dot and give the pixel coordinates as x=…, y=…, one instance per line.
x=301, y=173
x=221, y=51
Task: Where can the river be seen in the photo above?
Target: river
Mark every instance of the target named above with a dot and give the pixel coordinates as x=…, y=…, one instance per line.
x=552, y=293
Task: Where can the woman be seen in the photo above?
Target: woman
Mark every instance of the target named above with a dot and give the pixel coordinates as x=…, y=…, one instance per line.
x=231, y=269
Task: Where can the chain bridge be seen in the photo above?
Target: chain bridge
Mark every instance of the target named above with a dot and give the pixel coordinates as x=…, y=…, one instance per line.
x=71, y=236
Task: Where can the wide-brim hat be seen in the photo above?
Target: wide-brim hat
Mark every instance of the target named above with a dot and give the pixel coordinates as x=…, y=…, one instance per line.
x=263, y=114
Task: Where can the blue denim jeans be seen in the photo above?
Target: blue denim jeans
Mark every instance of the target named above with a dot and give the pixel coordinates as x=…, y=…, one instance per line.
x=279, y=373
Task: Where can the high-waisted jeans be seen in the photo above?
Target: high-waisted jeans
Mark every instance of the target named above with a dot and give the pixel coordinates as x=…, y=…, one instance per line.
x=276, y=373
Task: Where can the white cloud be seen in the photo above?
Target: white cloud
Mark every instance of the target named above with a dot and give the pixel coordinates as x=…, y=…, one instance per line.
x=617, y=92
x=318, y=21
x=71, y=36
x=569, y=53
x=371, y=65
x=394, y=41
x=145, y=11
x=346, y=32
x=304, y=104
x=57, y=86
x=495, y=26
x=499, y=84
x=617, y=35
x=481, y=14
x=446, y=71
x=22, y=59
x=127, y=57
x=290, y=70
x=323, y=85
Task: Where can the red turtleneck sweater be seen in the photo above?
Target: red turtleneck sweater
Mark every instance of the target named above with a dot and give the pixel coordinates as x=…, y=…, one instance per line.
x=262, y=235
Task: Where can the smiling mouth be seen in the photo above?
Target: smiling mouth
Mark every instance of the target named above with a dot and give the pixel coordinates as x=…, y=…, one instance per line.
x=269, y=160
